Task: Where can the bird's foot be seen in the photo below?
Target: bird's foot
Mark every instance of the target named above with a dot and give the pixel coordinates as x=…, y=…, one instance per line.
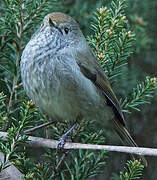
x=62, y=142
x=64, y=138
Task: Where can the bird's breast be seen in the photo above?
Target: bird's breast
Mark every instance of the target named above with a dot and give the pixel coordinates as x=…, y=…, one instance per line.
x=61, y=91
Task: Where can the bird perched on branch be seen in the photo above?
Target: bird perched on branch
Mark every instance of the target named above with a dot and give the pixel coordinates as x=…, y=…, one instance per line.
x=61, y=74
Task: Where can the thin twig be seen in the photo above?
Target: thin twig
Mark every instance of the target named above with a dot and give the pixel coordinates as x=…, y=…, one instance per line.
x=50, y=143
x=60, y=161
x=37, y=127
x=18, y=57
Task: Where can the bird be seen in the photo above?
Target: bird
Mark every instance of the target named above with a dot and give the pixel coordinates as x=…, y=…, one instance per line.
x=64, y=78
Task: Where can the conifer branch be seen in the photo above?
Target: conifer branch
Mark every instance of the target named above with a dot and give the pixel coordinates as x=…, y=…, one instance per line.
x=140, y=95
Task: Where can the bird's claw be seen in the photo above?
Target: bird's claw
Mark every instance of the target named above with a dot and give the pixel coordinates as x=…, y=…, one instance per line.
x=62, y=142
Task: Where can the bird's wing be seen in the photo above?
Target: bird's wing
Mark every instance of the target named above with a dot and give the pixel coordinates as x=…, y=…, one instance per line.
x=92, y=70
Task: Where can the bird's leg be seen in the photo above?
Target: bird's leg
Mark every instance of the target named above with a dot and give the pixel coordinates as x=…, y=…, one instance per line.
x=61, y=143
x=37, y=127
x=63, y=138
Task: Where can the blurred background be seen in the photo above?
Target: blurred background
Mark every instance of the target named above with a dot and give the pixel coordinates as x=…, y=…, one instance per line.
x=142, y=16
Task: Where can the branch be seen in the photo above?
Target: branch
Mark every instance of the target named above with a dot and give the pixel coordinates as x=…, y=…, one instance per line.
x=50, y=143
x=37, y=127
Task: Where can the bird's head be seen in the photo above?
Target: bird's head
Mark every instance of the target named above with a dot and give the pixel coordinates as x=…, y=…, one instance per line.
x=58, y=33
x=62, y=27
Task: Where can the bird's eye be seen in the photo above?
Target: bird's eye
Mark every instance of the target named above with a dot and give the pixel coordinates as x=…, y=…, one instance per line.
x=66, y=30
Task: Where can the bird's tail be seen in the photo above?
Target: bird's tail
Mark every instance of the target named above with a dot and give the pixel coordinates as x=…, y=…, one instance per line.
x=126, y=138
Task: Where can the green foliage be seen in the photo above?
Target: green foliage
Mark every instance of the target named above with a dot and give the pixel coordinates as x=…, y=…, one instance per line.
x=3, y=111
x=132, y=171
x=112, y=41
x=140, y=95
x=86, y=165
x=10, y=144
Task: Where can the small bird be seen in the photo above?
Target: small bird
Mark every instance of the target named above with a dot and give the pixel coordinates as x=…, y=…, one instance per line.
x=61, y=74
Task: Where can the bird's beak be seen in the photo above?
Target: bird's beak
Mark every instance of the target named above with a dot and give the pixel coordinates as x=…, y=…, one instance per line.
x=53, y=24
